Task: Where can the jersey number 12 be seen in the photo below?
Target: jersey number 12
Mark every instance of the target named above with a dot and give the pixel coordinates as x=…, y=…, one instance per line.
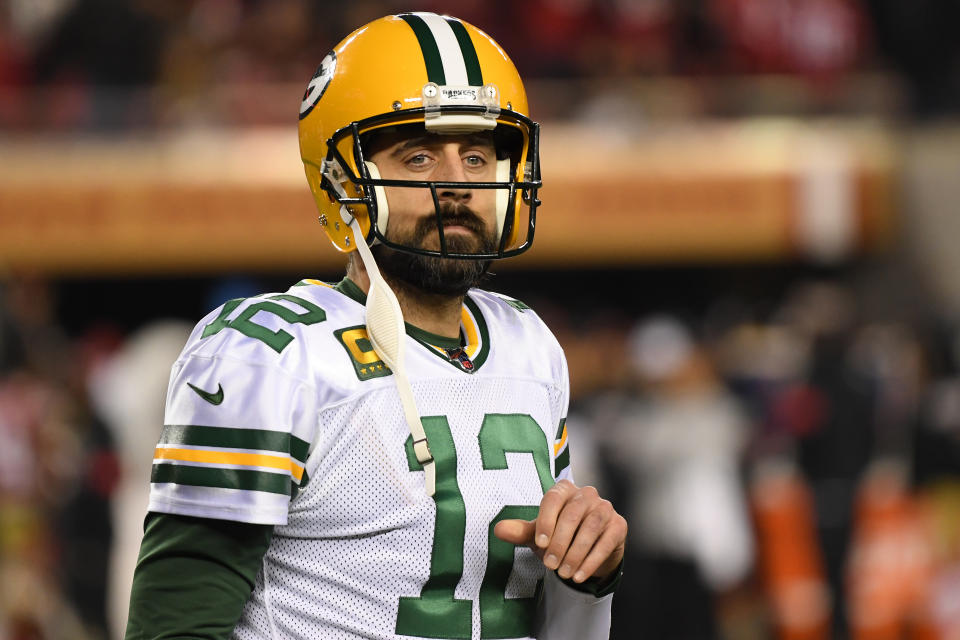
x=437, y=613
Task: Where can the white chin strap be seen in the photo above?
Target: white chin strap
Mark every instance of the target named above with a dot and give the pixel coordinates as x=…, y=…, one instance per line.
x=388, y=337
x=502, y=197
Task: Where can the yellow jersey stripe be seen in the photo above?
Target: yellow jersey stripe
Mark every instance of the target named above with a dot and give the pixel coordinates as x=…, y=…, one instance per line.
x=319, y=282
x=439, y=350
x=470, y=328
x=563, y=441
x=229, y=457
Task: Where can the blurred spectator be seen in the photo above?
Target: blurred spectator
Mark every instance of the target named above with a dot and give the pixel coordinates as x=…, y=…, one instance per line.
x=642, y=36
x=919, y=38
x=814, y=37
x=34, y=332
x=14, y=72
x=112, y=45
x=57, y=474
x=129, y=390
x=936, y=442
x=11, y=343
x=673, y=443
x=836, y=450
x=558, y=38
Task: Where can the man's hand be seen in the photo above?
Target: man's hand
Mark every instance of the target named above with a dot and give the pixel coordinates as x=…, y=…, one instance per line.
x=576, y=531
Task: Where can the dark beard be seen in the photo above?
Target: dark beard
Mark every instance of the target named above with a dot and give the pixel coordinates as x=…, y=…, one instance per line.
x=441, y=276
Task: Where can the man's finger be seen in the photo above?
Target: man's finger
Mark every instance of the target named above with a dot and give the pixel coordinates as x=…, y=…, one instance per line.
x=606, y=554
x=590, y=527
x=568, y=522
x=516, y=531
x=550, y=507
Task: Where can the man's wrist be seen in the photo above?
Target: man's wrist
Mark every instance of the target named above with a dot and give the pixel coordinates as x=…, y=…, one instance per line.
x=596, y=586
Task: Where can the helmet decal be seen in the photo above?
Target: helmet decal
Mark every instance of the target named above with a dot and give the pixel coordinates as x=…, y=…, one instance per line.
x=318, y=84
x=448, y=52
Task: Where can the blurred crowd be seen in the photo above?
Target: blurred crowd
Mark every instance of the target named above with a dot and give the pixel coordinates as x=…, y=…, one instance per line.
x=789, y=472
x=78, y=424
x=58, y=472
x=790, y=468
x=123, y=64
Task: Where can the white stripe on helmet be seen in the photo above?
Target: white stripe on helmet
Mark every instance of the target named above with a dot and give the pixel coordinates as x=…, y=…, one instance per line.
x=454, y=67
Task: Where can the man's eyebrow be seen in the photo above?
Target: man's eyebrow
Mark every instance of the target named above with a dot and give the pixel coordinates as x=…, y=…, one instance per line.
x=412, y=142
x=476, y=139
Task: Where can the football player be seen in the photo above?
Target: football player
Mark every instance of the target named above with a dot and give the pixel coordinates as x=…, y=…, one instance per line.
x=385, y=457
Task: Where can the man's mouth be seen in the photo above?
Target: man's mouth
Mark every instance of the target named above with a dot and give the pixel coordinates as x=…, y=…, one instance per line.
x=458, y=229
x=464, y=229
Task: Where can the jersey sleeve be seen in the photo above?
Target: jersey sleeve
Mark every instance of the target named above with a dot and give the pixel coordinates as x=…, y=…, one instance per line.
x=236, y=435
x=571, y=614
x=184, y=561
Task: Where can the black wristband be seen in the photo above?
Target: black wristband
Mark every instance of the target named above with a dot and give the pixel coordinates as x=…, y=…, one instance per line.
x=598, y=587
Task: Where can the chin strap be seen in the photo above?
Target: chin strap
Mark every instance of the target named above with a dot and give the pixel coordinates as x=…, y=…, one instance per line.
x=387, y=335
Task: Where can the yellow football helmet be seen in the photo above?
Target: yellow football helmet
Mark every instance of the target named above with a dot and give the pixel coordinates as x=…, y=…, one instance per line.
x=416, y=68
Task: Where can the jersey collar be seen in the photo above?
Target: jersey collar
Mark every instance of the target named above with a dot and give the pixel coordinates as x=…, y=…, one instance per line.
x=466, y=353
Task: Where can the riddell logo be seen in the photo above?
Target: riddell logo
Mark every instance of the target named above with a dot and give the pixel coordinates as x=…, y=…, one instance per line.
x=460, y=95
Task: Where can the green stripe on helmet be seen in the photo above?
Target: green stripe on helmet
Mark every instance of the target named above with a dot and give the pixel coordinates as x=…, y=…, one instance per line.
x=470, y=59
x=428, y=46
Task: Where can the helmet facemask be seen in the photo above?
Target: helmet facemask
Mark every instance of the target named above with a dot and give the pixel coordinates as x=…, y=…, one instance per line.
x=351, y=179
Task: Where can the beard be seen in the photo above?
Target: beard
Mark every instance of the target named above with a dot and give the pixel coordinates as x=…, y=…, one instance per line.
x=434, y=275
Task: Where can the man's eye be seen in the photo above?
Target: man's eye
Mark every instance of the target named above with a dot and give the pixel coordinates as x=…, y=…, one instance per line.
x=475, y=161
x=418, y=160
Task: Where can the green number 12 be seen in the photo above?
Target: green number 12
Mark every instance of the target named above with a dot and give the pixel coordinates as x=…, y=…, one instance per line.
x=436, y=613
x=276, y=340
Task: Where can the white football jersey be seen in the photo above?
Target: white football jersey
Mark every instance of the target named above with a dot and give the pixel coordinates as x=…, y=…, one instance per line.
x=280, y=412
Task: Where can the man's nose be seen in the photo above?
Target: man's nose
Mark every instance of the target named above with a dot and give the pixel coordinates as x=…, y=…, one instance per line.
x=451, y=170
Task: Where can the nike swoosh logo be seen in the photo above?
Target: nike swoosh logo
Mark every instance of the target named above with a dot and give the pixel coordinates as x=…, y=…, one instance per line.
x=212, y=398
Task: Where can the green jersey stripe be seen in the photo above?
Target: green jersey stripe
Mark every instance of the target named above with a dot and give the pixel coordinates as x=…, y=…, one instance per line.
x=563, y=423
x=242, y=479
x=469, y=52
x=428, y=46
x=227, y=438
x=562, y=462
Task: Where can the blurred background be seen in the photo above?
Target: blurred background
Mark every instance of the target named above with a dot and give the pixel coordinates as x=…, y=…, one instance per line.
x=748, y=247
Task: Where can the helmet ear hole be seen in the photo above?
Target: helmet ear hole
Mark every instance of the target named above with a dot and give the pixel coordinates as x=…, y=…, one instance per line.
x=380, y=197
x=320, y=185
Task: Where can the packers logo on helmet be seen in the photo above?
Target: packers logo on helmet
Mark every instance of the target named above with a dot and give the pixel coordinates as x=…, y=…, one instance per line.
x=417, y=70
x=318, y=84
